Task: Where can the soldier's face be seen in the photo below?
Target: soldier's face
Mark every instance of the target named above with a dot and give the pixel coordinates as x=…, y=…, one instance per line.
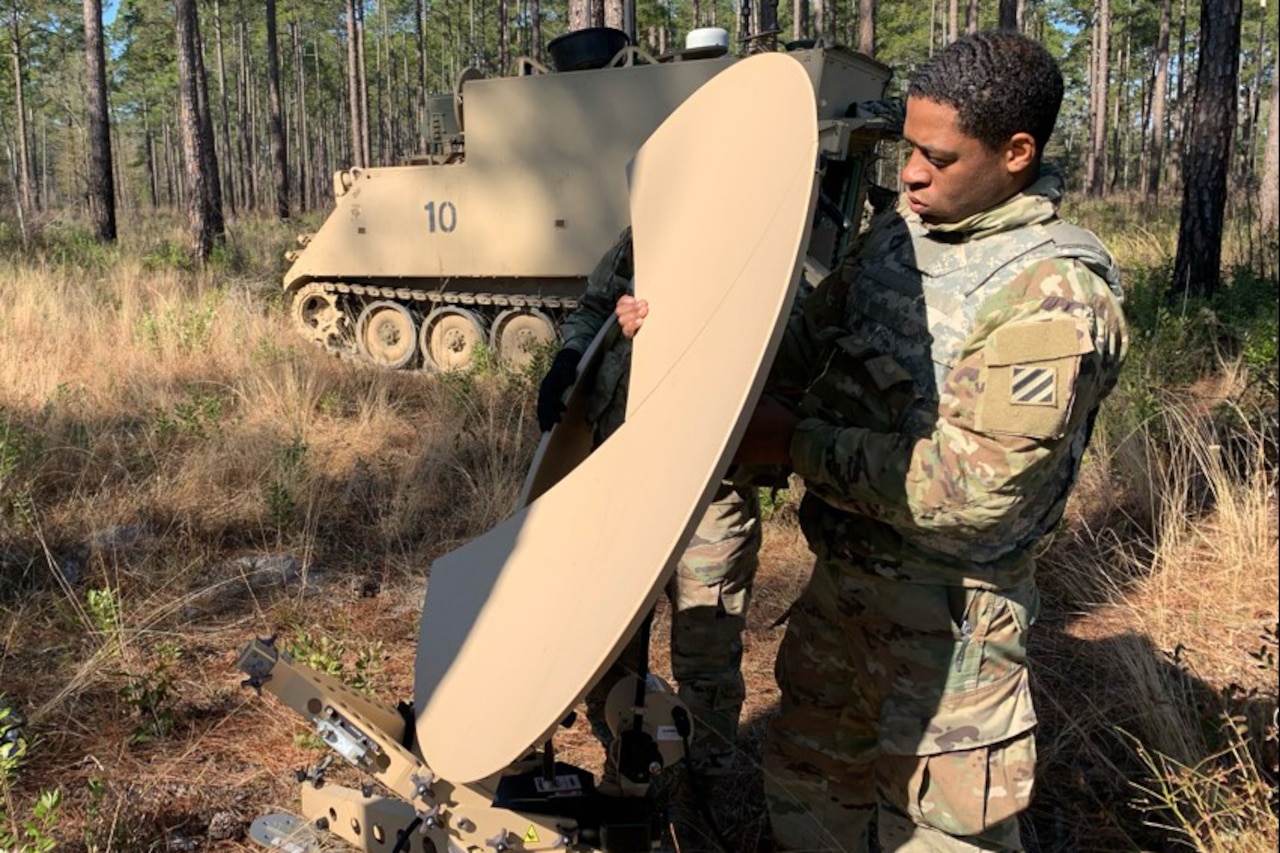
x=950, y=175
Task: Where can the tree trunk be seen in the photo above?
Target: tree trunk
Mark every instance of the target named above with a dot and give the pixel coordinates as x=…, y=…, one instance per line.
x=384, y=74
x=1009, y=14
x=326, y=153
x=123, y=201
x=23, y=166
x=800, y=20
x=1120, y=118
x=1269, y=207
x=166, y=145
x=535, y=19
x=228, y=179
x=1145, y=95
x=420, y=51
x=613, y=14
x=1158, y=98
x=305, y=146
x=362, y=87
x=1249, y=148
x=48, y=196
x=206, y=129
x=102, y=197
x=121, y=190
x=586, y=13
x=406, y=141
x=933, y=27
x=244, y=133
x=953, y=21
x=867, y=27
x=149, y=153
x=504, y=37
x=1179, y=142
x=971, y=17
x=1197, y=269
x=353, y=87
x=275, y=124
x=1091, y=77
x=207, y=228
x=1096, y=162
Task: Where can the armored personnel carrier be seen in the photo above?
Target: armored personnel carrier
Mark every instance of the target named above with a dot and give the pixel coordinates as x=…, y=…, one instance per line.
x=487, y=238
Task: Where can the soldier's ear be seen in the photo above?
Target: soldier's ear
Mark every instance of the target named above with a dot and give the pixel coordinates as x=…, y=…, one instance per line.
x=1020, y=153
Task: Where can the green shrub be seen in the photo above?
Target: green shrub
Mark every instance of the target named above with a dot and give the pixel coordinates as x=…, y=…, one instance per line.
x=150, y=695
x=34, y=833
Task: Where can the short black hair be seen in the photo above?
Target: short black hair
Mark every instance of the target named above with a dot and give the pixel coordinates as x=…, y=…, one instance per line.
x=999, y=81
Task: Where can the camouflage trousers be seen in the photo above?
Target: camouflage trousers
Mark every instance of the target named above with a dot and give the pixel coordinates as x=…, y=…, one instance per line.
x=709, y=593
x=905, y=715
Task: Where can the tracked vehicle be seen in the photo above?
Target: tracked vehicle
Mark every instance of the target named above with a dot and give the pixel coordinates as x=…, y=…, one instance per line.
x=487, y=238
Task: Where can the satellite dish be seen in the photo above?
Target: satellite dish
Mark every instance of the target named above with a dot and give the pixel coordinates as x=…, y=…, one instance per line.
x=521, y=621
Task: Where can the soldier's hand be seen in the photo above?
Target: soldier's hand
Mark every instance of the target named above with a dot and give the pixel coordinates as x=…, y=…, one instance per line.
x=559, y=378
x=631, y=313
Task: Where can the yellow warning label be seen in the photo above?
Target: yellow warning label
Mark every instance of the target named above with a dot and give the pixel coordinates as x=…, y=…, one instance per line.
x=531, y=837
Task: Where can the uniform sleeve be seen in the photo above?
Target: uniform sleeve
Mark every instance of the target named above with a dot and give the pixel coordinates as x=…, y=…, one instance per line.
x=1026, y=384
x=610, y=279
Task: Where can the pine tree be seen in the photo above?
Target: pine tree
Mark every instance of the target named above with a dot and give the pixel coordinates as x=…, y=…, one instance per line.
x=101, y=184
x=1197, y=269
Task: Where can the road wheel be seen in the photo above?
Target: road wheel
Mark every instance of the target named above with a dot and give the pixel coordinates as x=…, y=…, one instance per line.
x=317, y=316
x=519, y=334
x=386, y=335
x=450, y=337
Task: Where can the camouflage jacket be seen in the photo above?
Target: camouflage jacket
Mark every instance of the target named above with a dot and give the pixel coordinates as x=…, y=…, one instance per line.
x=611, y=278
x=947, y=378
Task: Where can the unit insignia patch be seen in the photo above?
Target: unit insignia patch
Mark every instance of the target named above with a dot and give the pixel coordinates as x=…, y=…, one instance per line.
x=1034, y=386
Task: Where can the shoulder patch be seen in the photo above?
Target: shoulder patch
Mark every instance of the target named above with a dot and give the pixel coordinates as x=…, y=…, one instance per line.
x=1030, y=376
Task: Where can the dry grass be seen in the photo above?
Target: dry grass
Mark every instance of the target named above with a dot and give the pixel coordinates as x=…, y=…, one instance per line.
x=1157, y=659
x=162, y=432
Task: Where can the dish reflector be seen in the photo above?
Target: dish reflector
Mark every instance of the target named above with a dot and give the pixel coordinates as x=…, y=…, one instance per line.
x=521, y=621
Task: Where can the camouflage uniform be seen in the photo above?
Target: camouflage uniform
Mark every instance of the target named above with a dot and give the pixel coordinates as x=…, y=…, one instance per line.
x=947, y=378
x=711, y=587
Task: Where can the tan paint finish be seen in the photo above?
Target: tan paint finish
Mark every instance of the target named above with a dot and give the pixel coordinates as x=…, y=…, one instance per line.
x=369, y=823
x=316, y=695
x=520, y=621
x=465, y=812
x=542, y=190
x=530, y=200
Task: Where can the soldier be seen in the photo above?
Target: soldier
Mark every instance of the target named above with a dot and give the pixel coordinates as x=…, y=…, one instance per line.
x=711, y=587
x=936, y=394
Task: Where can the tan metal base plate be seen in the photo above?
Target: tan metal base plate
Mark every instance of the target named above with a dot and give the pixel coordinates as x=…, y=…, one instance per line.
x=286, y=833
x=519, y=622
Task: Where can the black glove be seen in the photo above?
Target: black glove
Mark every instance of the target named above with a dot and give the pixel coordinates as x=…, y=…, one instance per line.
x=560, y=376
